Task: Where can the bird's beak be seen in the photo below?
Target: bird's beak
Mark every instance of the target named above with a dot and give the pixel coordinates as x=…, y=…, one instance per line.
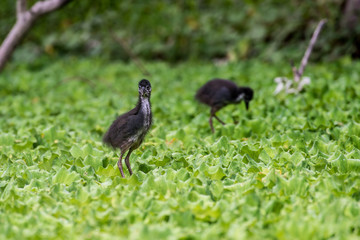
x=144, y=92
x=247, y=105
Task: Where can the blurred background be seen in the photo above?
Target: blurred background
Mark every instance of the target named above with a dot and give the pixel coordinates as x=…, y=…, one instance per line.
x=179, y=30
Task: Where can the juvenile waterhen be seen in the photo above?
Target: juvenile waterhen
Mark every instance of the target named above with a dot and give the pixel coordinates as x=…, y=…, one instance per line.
x=218, y=93
x=127, y=132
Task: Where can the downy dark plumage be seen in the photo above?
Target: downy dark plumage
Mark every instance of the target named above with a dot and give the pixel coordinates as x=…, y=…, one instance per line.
x=128, y=131
x=218, y=93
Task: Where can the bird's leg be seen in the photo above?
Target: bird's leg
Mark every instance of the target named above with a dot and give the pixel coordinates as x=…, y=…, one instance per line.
x=213, y=113
x=219, y=120
x=119, y=163
x=211, y=124
x=127, y=162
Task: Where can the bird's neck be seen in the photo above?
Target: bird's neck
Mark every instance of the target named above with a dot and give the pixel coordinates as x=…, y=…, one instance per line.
x=240, y=97
x=145, y=110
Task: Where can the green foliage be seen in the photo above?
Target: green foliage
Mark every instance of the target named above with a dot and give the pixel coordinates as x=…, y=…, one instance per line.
x=178, y=30
x=288, y=170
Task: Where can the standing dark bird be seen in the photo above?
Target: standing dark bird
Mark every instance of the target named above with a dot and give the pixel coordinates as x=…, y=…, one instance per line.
x=128, y=131
x=218, y=93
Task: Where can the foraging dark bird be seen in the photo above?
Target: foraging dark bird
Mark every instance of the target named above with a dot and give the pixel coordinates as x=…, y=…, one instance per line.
x=128, y=131
x=218, y=93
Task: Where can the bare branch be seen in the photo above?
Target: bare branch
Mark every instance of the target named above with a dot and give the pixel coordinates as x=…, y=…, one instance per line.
x=294, y=70
x=297, y=84
x=305, y=59
x=44, y=7
x=21, y=7
x=24, y=21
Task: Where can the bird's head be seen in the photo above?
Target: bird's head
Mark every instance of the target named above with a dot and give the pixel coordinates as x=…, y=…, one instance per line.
x=144, y=88
x=246, y=94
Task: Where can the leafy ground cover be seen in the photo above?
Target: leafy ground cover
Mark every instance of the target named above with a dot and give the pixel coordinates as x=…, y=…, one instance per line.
x=288, y=170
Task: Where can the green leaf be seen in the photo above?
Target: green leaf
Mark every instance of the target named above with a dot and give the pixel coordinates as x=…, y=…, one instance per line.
x=356, y=141
x=93, y=162
x=216, y=188
x=253, y=169
x=6, y=139
x=341, y=163
x=215, y=172
x=264, y=157
x=251, y=151
x=297, y=158
x=64, y=176
x=82, y=195
x=258, y=125
x=76, y=152
x=109, y=171
x=354, y=165
x=85, y=150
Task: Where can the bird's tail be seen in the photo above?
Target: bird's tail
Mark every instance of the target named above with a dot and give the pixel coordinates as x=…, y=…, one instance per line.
x=106, y=139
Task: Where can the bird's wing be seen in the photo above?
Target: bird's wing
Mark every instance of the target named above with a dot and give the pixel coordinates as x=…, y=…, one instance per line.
x=119, y=129
x=222, y=96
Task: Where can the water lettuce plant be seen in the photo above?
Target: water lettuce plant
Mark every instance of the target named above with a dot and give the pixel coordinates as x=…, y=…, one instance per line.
x=288, y=169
